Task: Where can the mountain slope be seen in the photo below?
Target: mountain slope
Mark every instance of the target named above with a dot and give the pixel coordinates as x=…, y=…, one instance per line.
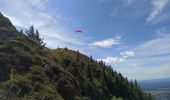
x=4, y=22
x=30, y=71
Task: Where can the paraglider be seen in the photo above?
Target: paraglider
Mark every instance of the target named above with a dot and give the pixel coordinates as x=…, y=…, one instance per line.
x=78, y=31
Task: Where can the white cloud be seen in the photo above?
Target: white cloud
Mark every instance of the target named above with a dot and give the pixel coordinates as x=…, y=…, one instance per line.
x=161, y=18
x=112, y=60
x=107, y=42
x=150, y=60
x=158, y=6
x=38, y=3
x=125, y=2
x=127, y=54
x=27, y=12
x=163, y=32
x=134, y=70
x=128, y=2
x=154, y=47
x=50, y=22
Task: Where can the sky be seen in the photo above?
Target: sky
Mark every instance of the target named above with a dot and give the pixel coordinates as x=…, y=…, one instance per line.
x=133, y=36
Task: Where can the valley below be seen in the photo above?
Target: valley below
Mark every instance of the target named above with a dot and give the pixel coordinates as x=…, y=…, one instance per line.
x=159, y=88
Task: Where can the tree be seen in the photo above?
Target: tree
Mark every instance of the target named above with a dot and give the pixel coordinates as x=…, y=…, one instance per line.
x=30, y=32
x=65, y=49
x=35, y=35
x=77, y=56
x=91, y=59
x=21, y=31
x=136, y=84
x=90, y=72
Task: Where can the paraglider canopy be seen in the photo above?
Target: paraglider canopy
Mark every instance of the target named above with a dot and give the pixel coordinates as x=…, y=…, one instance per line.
x=78, y=31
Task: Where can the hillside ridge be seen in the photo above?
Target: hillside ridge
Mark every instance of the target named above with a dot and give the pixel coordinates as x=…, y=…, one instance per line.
x=31, y=71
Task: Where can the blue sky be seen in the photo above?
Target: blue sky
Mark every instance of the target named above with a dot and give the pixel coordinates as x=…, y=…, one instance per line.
x=131, y=35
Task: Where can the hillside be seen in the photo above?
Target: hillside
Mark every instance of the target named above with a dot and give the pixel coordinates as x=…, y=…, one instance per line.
x=30, y=71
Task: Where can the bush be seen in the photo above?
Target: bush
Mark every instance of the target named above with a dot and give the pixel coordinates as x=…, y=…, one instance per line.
x=22, y=82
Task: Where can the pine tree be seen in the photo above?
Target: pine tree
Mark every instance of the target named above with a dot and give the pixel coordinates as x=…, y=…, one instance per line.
x=77, y=56
x=91, y=59
x=30, y=32
x=35, y=35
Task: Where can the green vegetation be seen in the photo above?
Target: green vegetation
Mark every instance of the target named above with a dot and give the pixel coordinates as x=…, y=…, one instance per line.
x=30, y=71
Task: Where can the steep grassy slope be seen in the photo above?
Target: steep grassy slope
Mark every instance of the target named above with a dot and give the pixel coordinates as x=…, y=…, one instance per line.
x=30, y=71
x=5, y=22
